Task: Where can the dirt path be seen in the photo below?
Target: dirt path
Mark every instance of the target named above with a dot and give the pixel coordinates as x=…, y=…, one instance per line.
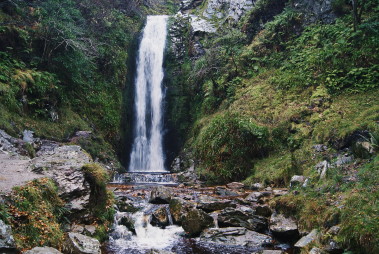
x=14, y=171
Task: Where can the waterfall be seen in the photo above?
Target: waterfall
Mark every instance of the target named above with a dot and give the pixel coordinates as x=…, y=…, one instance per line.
x=147, y=149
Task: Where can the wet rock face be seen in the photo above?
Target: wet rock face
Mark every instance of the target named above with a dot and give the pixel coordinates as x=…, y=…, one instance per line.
x=283, y=227
x=6, y=238
x=236, y=236
x=81, y=244
x=43, y=250
x=195, y=221
x=160, y=195
x=242, y=217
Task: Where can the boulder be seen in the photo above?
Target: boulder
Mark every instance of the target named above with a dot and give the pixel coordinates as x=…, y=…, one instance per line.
x=254, y=196
x=195, y=221
x=283, y=227
x=210, y=204
x=179, y=208
x=81, y=244
x=363, y=149
x=235, y=185
x=315, y=250
x=279, y=192
x=315, y=10
x=257, y=186
x=333, y=247
x=322, y=168
x=224, y=192
x=271, y=252
x=6, y=238
x=238, y=217
x=236, y=236
x=43, y=250
x=343, y=159
x=297, y=180
x=160, y=217
x=307, y=240
x=126, y=220
x=64, y=165
x=263, y=210
x=160, y=195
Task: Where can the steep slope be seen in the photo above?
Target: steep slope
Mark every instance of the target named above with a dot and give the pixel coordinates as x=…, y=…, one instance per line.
x=287, y=90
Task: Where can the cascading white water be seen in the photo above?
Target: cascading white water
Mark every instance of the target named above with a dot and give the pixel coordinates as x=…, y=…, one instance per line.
x=147, y=151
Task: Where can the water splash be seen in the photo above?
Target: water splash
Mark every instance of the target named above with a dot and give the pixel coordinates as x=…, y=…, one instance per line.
x=147, y=149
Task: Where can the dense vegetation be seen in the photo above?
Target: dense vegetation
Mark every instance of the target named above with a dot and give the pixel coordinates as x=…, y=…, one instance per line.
x=64, y=67
x=262, y=96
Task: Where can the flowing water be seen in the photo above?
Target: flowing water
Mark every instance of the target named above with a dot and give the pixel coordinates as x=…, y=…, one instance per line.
x=147, y=149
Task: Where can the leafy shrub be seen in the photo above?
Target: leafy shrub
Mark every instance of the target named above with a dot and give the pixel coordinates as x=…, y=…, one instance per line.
x=227, y=145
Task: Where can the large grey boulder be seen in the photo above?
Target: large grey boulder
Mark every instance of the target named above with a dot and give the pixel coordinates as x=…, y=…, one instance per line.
x=236, y=236
x=160, y=195
x=43, y=250
x=195, y=221
x=210, y=204
x=64, y=165
x=283, y=227
x=81, y=244
x=6, y=238
x=242, y=217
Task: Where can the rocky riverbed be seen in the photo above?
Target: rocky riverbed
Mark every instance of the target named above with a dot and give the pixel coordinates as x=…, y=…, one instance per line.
x=199, y=219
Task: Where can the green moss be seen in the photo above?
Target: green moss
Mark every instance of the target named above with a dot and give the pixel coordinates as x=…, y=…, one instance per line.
x=101, y=199
x=228, y=143
x=35, y=212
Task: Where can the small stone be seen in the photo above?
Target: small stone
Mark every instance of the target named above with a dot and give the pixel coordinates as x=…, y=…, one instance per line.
x=278, y=193
x=76, y=228
x=322, y=168
x=81, y=244
x=283, y=227
x=6, y=238
x=257, y=186
x=297, y=180
x=315, y=250
x=308, y=239
x=235, y=185
x=254, y=196
x=210, y=204
x=90, y=229
x=43, y=250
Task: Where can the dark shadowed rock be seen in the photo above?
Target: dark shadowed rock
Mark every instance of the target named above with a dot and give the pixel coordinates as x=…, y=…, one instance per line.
x=263, y=210
x=236, y=236
x=195, y=221
x=81, y=244
x=43, y=250
x=160, y=217
x=240, y=217
x=160, y=195
x=210, y=204
x=283, y=227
